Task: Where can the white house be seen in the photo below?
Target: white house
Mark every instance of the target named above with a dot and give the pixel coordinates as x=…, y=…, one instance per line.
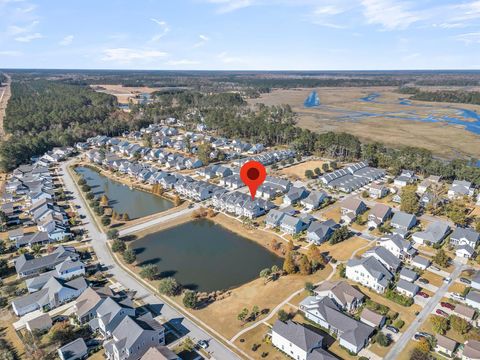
x=369, y=272
x=460, y=188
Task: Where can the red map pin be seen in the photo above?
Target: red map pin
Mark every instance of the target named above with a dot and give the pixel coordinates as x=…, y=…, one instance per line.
x=253, y=174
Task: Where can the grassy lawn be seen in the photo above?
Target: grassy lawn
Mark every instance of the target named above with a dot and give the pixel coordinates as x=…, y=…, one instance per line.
x=8, y=333
x=405, y=354
x=333, y=214
x=298, y=171
x=255, y=336
x=99, y=355
x=222, y=314
x=427, y=327
x=344, y=250
x=380, y=350
x=457, y=287
x=434, y=279
x=340, y=352
x=407, y=314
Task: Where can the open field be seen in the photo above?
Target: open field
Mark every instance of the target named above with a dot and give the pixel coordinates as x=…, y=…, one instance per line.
x=434, y=279
x=124, y=93
x=383, y=119
x=222, y=314
x=344, y=250
x=298, y=171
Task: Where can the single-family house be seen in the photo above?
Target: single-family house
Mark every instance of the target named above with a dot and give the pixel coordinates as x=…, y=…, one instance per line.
x=471, y=350
x=160, y=353
x=75, y=350
x=314, y=200
x=398, y=246
x=294, y=195
x=377, y=191
x=318, y=232
x=352, y=334
x=378, y=215
x=476, y=281
x=292, y=225
x=372, y=319
x=460, y=188
x=465, y=312
x=402, y=223
x=408, y=275
x=473, y=299
x=420, y=262
x=407, y=288
x=342, y=293
x=465, y=251
x=39, y=323
x=445, y=345
x=434, y=234
x=132, y=338
x=350, y=208
x=405, y=178
x=369, y=272
x=464, y=236
x=390, y=261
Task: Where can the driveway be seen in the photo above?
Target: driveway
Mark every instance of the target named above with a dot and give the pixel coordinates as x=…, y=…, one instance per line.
x=428, y=308
x=169, y=313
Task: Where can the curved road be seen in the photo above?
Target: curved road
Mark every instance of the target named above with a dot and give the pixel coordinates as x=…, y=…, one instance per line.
x=169, y=313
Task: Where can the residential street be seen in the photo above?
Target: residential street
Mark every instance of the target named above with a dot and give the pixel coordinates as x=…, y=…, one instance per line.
x=398, y=347
x=170, y=314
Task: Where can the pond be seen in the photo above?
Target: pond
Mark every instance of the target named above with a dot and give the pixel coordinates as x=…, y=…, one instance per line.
x=204, y=256
x=136, y=203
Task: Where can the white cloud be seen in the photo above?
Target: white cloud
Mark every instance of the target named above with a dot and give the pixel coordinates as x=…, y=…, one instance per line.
x=390, y=14
x=165, y=29
x=203, y=40
x=10, y=53
x=127, y=55
x=16, y=29
x=226, y=6
x=182, y=62
x=27, y=9
x=29, y=37
x=469, y=38
x=67, y=40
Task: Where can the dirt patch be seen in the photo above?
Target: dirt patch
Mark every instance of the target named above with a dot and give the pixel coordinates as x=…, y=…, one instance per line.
x=124, y=93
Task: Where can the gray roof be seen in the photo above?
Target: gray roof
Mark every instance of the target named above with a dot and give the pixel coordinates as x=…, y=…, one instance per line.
x=385, y=256
x=408, y=286
x=289, y=220
x=435, y=232
x=371, y=316
x=473, y=296
x=421, y=260
x=465, y=233
x=74, y=350
x=343, y=291
x=129, y=330
x=31, y=239
x=159, y=353
x=403, y=219
x=314, y=198
x=466, y=248
x=408, y=273
x=352, y=331
x=446, y=342
x=26, y=262
x=374, y=268
x=297, y=334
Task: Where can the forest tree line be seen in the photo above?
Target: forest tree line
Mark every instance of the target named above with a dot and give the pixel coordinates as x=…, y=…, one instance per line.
x=43, y=114
x=452, y=96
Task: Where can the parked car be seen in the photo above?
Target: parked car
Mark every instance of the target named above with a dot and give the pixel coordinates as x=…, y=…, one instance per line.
x=465, y=281
x=423, y=281
x=203, y=344
x=422, y=294
x=447, y=305
x=457, y=296
x=441, y=313
x=447, y=280
x=434, y=268
x=418, y=337
x=392, y=329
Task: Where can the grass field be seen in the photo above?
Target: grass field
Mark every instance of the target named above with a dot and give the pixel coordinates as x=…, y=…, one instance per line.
x=222, y=314
x=434, y=279
x=298, y=171
x=255, y=336
x=124, y=93
x=344, y=250
x=384, y=120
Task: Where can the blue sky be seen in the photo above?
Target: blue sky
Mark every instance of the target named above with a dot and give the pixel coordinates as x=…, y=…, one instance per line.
x=240, y=34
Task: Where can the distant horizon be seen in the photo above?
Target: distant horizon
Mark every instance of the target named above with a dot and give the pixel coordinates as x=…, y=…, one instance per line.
x=242, y=70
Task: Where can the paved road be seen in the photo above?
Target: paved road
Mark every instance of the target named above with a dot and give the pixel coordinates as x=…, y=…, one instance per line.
x=169, y=313
x=158, y=220
x=428, y=308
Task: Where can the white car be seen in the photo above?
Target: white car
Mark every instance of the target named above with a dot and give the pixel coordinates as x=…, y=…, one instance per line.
x=457, y=296
x=203, y=344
